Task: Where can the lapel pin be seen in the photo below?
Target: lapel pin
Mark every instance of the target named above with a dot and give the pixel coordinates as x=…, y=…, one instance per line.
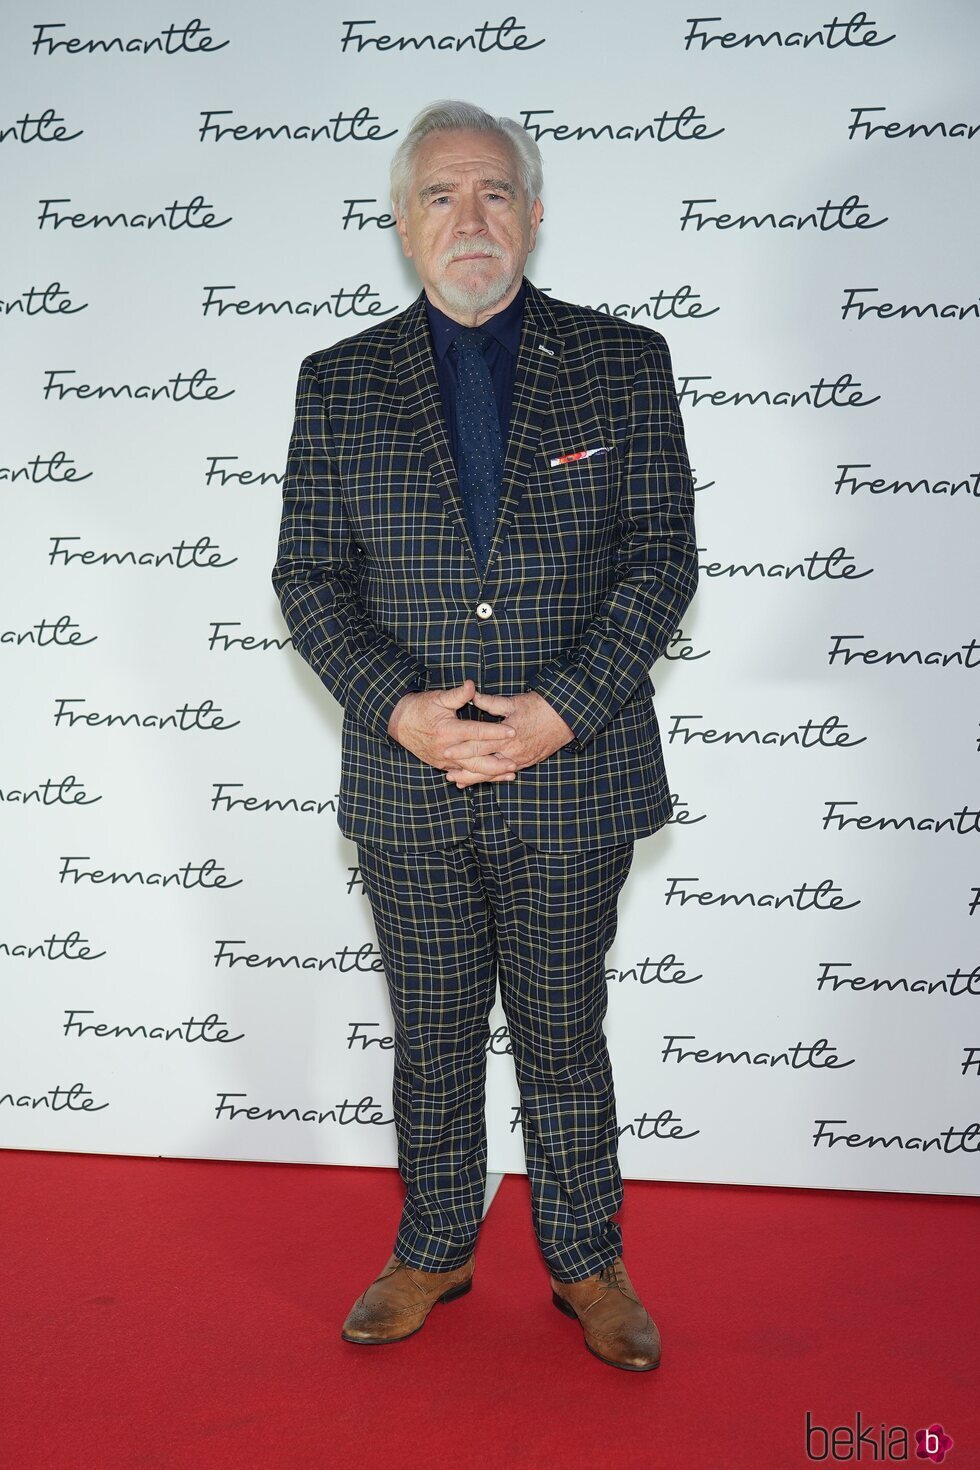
x=543, y=348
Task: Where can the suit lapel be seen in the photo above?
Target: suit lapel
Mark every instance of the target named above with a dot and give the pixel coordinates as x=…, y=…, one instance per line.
x=538, y=360
x=415, y=367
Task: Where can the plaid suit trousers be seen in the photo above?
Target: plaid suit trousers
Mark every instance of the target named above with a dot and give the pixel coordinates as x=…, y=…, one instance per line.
x=450, y=922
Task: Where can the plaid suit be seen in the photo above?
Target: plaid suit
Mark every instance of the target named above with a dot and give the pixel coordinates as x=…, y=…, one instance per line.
x=590, y=569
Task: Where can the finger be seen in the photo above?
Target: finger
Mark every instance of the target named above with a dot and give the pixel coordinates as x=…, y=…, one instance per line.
x=463, y=778
x=488, y=746
x=494, y=704
x=481, y=781
x=456, y=698
x=482, y=765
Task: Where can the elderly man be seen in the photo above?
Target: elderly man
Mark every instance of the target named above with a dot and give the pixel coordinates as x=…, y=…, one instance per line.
x=487, y=540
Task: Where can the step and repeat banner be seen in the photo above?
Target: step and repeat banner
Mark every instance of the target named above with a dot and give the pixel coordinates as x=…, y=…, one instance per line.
x=194, y=202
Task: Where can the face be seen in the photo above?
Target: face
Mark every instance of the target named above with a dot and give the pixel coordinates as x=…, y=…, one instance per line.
x=468, y=224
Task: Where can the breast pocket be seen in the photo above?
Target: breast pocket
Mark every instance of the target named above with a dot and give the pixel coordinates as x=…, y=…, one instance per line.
x=575, y=492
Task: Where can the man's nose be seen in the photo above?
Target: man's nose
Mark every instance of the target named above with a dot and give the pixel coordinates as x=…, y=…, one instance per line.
x=470, y=218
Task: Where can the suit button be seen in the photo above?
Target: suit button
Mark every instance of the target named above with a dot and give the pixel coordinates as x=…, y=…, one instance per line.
x=484, y=610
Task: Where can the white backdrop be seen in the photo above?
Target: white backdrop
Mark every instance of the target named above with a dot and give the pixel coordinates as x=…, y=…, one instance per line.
x=800, y=221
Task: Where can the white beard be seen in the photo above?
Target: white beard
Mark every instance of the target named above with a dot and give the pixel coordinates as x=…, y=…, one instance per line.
x=472, y=298
x=475, y=298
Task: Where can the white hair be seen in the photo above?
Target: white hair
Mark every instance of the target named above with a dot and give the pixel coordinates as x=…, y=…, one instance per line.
x=450, y=117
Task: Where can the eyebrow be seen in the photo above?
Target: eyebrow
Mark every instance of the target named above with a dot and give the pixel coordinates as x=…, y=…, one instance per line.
x=503, y=186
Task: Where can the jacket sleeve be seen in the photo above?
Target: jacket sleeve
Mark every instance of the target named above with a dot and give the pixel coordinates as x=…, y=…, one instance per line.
x=316, y=576
x=658, y=567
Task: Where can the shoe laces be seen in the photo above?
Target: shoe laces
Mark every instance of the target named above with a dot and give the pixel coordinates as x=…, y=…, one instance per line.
x=614, y=1276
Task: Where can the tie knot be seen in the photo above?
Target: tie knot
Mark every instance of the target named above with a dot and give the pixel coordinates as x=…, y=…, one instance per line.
x=472, y=339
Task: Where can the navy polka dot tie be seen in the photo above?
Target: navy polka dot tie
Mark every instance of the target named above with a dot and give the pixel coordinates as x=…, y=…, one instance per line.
x=481, y=456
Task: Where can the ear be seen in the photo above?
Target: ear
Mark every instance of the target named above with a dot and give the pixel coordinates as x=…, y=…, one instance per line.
x=401, y=225
x=537, y=215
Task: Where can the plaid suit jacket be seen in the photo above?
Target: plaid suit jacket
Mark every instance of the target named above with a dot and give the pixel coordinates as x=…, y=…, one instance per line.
x=591, y=567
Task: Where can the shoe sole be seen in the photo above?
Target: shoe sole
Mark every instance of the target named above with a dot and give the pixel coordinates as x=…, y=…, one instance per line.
x=569, y=1311
x=447, y=1296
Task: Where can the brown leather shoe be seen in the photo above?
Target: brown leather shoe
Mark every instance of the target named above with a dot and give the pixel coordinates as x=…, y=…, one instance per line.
x=398, y=1302
x=618, y=1329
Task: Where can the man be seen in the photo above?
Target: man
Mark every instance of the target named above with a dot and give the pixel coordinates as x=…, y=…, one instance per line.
x=487, y=540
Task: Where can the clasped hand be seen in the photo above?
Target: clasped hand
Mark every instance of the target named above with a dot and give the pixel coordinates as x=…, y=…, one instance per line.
x=469, y=750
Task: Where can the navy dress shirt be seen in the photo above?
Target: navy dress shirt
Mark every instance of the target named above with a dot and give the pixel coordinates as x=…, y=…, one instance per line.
x=504, y=330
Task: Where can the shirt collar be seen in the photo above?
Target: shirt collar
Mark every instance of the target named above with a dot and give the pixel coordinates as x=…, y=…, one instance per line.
x=504, y=327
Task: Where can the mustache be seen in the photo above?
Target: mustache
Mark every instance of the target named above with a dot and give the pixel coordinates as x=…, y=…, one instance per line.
x=466, y=247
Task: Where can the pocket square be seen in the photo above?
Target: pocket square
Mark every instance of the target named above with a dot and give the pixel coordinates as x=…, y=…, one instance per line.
x=578, y=454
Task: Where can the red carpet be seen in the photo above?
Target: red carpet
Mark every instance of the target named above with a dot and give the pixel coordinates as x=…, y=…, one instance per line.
x=174, y=1315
